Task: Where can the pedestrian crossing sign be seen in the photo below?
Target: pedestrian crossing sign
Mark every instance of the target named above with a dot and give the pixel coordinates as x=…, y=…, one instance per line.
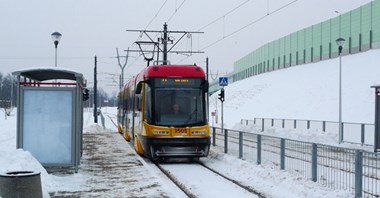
x=223, y=81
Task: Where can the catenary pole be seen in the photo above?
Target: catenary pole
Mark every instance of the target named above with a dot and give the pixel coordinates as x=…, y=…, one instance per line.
x=95, y=94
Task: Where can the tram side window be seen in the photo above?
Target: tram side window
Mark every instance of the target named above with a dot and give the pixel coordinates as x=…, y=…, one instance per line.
x=138, y=105
x=148, y=104
x=125, y=101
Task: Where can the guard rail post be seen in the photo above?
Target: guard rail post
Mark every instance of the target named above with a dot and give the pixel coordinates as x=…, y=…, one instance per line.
x=314, y=162
x=358, y=173
x=342, y=131
x=362, y=134
x=262, y=124
x=213, y=136
x=258, y=149
x=282, y=155
x=225, y=140
x=240, y=144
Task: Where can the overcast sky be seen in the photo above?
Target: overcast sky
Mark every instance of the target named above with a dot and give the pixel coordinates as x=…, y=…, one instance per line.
x=98, y=27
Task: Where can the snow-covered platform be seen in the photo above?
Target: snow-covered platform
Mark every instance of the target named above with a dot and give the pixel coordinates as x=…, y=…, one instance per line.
x=109, y=168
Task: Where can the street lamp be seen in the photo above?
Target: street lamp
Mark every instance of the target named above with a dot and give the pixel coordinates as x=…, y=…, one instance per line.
x=56, y=36
x=340, y=43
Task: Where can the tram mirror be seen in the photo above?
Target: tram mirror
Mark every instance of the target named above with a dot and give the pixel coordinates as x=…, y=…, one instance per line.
x=139, y=87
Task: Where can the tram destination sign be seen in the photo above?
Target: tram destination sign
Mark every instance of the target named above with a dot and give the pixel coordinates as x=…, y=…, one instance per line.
x=178, y=82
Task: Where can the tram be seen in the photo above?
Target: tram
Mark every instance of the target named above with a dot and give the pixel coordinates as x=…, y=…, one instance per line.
x=163, y=112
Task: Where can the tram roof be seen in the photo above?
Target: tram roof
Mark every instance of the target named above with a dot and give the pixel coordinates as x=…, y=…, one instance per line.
x=174, y=71
x=49, y=73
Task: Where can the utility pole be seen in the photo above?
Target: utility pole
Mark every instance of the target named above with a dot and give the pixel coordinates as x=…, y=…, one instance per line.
x=122, y=67
x=164, y=41
x=95, y=94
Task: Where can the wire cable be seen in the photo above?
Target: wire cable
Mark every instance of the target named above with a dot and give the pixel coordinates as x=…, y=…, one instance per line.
x=242, y=28
x=223, y=16
x=155, y=16
x=175, y=11
x=249, y=24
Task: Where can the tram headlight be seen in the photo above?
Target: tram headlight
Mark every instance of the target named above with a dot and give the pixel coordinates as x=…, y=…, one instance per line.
x=160, y=132
x=199, y=132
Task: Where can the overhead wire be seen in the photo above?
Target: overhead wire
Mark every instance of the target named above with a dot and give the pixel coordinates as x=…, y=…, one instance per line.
x=249, y=24
x=175, y=11
x=223, y=16
x=242, y=28
x=217, y=19
x=155, y=16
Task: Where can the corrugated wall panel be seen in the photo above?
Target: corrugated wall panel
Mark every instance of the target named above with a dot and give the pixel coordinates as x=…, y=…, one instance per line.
x=346, y=30
x=301, y=45
x=376, y=21
x=270, y=55
x=287, y=50
x=308, y=43
x=294, y=47
x=317, y=33
x=335, y=33
x=326, y=34
x=366, y=24
x=355, y=29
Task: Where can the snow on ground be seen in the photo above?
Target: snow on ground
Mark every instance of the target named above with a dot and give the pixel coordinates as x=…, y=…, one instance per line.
x=306, y=92
x=301, y=92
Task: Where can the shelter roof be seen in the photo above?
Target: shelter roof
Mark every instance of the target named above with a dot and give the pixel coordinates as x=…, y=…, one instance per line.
x=49, y=73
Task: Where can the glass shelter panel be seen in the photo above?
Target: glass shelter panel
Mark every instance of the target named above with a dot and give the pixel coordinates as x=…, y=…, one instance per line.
x=46, y=123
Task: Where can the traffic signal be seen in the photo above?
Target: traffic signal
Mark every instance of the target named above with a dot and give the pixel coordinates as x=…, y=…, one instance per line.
x=86, y=94
x=221, y=95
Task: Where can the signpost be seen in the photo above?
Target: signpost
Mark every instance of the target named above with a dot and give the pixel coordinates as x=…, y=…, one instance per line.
x=223, y=81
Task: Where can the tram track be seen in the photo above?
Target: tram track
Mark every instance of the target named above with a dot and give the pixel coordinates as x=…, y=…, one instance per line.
x=172, y=178
x=250, y=189
x=193, y=189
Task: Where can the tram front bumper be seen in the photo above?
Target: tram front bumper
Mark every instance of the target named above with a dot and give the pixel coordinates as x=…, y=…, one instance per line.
x=178, y=147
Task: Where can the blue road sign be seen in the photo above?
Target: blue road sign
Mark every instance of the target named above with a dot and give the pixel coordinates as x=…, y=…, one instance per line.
x=223, y=81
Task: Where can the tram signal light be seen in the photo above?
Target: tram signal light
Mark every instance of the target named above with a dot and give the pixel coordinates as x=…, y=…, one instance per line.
x=221, y=95
x=86, y=94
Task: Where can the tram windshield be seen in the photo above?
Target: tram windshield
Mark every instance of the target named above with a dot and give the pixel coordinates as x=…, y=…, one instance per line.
x=179, y=102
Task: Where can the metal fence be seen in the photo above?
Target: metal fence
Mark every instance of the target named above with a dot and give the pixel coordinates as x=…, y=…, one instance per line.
x=357, y=133
x=354, y=170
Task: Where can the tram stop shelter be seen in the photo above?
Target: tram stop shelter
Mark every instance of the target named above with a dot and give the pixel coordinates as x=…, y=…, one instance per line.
x=50, y=115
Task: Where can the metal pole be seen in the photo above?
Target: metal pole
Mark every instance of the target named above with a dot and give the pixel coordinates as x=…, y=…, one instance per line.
x=340, y=96
x=165, y=42
x=122, y=66
x=56, y=55
x=95, y=94
x=222, y=118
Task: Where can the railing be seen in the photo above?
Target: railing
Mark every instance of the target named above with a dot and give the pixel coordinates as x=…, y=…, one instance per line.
x=334, y=167
x=357, y=133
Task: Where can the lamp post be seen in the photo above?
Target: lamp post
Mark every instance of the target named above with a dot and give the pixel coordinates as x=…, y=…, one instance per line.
x=56, y=36
x=340, y=43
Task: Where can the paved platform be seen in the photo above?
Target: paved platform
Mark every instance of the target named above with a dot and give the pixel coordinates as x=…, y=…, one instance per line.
x=109, y=168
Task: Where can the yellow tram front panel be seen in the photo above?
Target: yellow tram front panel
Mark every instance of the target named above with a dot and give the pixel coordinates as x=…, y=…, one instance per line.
x=162, y=131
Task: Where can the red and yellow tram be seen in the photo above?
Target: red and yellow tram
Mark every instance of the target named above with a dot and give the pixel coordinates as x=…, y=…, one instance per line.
x=163, y=111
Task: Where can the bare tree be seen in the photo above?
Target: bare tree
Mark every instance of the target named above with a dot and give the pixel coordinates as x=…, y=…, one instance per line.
x=7, y=93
